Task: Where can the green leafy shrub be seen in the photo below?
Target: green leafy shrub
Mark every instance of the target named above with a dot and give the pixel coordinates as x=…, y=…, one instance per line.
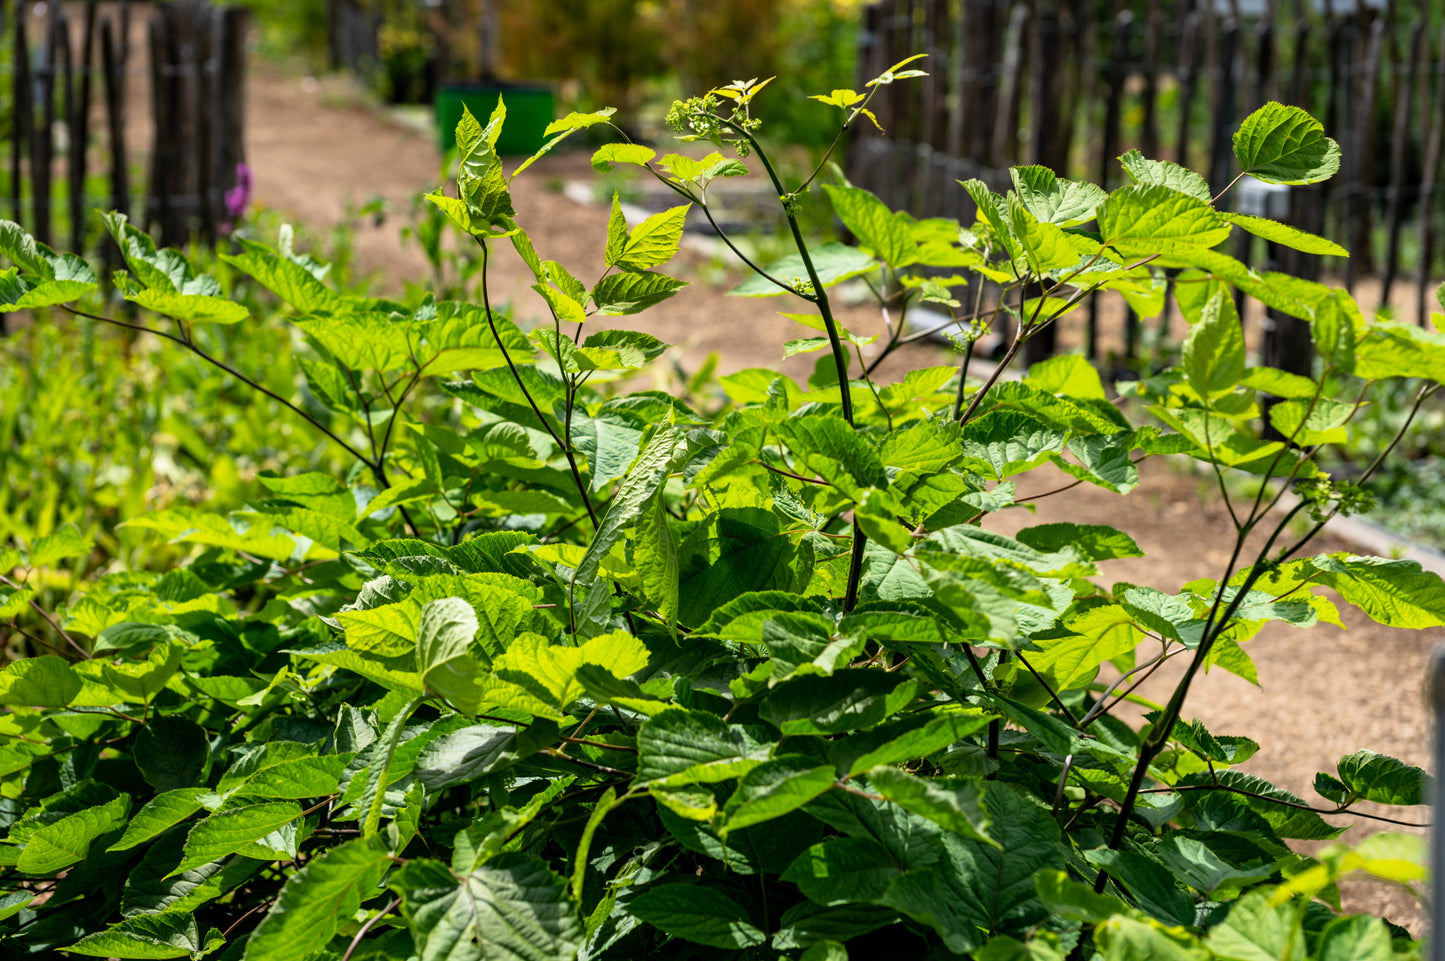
x=565, y=671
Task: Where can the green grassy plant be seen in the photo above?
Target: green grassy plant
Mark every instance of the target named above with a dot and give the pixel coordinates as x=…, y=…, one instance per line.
x=559, y=670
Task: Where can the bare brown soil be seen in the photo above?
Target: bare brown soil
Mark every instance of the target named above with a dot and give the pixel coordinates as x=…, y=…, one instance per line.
x=316, y=148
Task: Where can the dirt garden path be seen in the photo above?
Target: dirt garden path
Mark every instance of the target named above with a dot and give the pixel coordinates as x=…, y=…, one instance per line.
x=1323, y=693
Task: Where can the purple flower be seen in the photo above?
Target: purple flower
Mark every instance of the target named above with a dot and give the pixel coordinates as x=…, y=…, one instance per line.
x=238, y=198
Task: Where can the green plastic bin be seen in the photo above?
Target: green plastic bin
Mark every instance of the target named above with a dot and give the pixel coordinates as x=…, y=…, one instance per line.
x=529, y=111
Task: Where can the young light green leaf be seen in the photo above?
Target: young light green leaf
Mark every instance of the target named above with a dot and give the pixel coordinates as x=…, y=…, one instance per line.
x=172, y=934
x=1278, y=233
x=1053, y=199
x=833, y=262
x=1214, y=350
x=633, y=291
x=873, y=224
x=1285, y=145
x=1143, y=220
x=44, y=681
x=622, y=153
x=654, y=241
x=1165, y=173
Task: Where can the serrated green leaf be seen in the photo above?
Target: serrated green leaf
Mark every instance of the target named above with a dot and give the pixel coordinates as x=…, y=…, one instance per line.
x=654, y=241
x=1385, y=780
x=774, y=788
x=1142, y=220
x=697, y=913
x=633, y=291
x=172, y=934
x=316, y=900
x=513, y=905
x=875, y=226
x=833, y=262
x=1053, y=199
x=1278, y=233
x=621, y=153
x=233, y=831
x=1214, y=355
x=842, y=870
x=1285, y=145
x=1165, y=173
x=59, y=844
x=44, y=681
x=956, y=805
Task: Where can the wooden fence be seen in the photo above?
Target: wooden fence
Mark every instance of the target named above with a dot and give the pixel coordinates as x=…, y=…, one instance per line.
x=69, y=69
x=1071, y=84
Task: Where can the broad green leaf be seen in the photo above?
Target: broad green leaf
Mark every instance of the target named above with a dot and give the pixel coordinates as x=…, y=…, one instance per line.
x=610, y=442
x=1214, y=354
x=395, y=673
x=1053, y=199
x=846, y=700
x=59, y=844
x=1356, y=938
x=1096, y=542
x=160, y=814
x=172, y=753
x=44, y=681
x=826, y=445
x=1393, y=593
x=511, y=907
x=633, y=291
x=1278, y=233
x=1074, y=900
x=1399, y=350
x=21, y=249
x=481, y=183
x=385, y=631
x=912, y=736
x=17, y=293
x=833, y=262
x=1123, y=938
x=977, y=886
x=655, y=554
x=642, y=483
x=1142, y=220
x=1068, y=374
x=1375, y=777
x=317, y=900
x=284, y=277
x=697, y=913
x=173, y=934
x=479, y=750
x=842, y=870
x=955, y=805
x=680, y=747
x=1047, y=247
x=233, y=831
x=443, y=650
x=541, y=678
x=654, y=241
x=774, y=788
x=382, y=753
x=875, y=226
x=625, y=153
x=734, y=551
x=1154, y=887
x=1255, y=930
x=1165, y=173
x=1285, y=145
